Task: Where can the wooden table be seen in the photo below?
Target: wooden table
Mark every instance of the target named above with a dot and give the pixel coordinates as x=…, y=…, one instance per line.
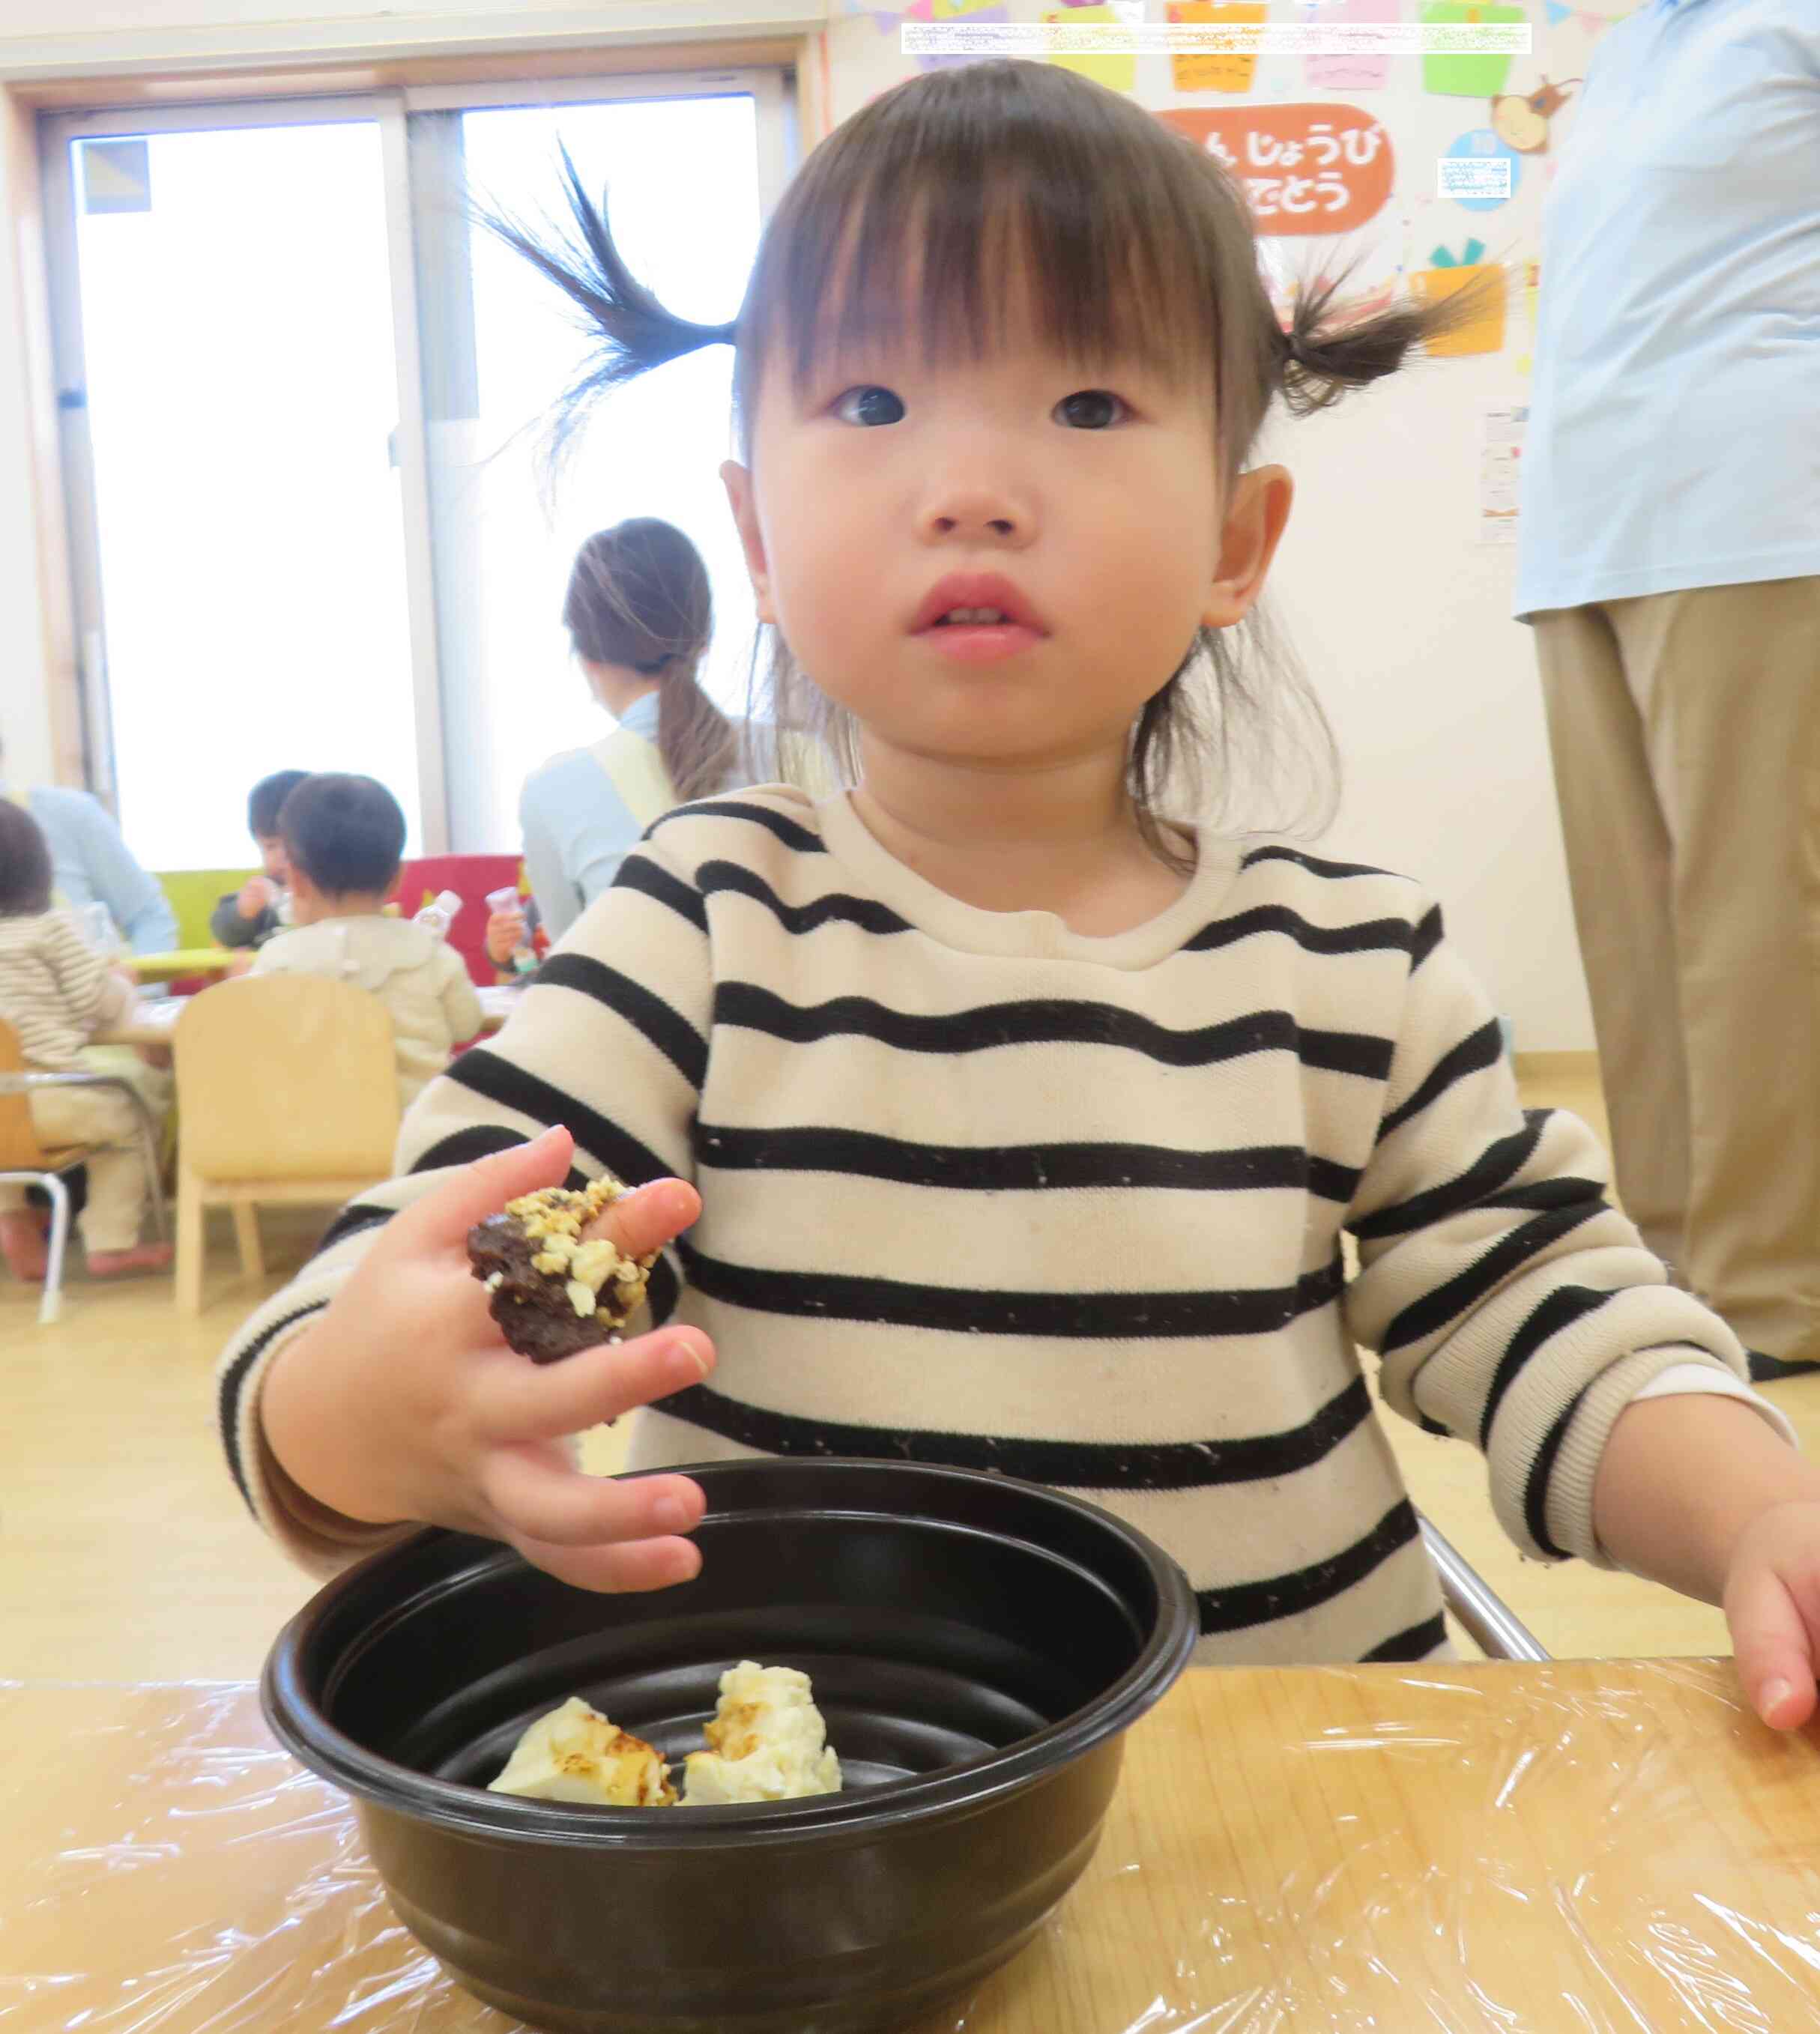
x=185, y=961
x=151, y=1023
x=1609, y=1847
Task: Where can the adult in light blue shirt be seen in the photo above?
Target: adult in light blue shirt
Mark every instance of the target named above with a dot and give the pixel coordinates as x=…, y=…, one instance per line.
x=91, y=864
x=577, y=824
x=1670, y=566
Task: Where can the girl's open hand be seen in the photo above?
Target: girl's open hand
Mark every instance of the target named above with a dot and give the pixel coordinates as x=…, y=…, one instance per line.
x=402, y=1400
x=1773, y=1605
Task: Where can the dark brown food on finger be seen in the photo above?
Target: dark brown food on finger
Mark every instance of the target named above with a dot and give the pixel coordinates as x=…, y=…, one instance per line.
x=553, y=1294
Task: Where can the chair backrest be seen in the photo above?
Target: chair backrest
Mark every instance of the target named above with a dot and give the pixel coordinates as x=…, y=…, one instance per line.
x=287, y=1077
x=192, y=894
x=20, y=1149
x=471, y=876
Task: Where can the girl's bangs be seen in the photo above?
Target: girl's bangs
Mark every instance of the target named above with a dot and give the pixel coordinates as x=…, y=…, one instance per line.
x=945, y=235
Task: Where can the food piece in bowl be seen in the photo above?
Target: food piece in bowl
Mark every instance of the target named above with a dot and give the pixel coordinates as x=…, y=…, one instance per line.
x=553, y=1294
x=768, y=1742
x=574, y=1754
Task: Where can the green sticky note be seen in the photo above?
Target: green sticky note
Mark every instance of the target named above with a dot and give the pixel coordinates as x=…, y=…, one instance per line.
x=1468, y=76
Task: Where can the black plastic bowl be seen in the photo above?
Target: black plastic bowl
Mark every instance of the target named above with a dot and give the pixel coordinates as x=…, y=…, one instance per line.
x=977, y=1645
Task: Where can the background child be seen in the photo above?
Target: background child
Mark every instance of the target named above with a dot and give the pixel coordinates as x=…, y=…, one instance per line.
x=343, y=840
x=1013, y=1122
x=56, y=991
x=249, y=915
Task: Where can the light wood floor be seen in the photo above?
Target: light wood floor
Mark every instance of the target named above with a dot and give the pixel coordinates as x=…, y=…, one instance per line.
x=126, y=1554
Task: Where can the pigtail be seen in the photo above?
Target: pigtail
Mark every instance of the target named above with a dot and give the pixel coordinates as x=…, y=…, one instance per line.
x=631, y=330
x=1321, y=358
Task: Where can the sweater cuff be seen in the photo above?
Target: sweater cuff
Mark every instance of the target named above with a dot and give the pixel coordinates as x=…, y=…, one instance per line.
x=321, y=1541
x=1566, y=1510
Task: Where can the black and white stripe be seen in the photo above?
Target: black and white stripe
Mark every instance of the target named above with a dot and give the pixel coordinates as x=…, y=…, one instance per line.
x=1006, y=1204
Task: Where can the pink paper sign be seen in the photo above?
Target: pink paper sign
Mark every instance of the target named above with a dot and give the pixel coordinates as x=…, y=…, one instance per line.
x=1349, y=73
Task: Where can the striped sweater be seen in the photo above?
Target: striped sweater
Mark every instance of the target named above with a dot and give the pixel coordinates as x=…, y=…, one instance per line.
x=980, y=1190
x=55, y=991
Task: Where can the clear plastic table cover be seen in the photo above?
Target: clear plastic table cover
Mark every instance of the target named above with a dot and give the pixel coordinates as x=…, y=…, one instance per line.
x=1489, y=1848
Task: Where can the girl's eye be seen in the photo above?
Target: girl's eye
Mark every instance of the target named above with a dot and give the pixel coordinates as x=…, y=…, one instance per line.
x=869, y=404
x=1090, y=409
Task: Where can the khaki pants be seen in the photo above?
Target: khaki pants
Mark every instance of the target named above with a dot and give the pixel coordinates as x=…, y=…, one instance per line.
x=116, y=1204
x=1684, y=728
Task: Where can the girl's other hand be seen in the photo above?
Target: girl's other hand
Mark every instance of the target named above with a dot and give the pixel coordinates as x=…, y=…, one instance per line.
x=402, y=1400
x=1773, y=1605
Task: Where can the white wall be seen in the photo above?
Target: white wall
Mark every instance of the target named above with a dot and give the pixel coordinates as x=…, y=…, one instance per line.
x=56, y=38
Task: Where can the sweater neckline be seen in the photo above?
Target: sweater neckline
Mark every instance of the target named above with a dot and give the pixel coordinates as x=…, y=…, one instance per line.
x=1026, y=935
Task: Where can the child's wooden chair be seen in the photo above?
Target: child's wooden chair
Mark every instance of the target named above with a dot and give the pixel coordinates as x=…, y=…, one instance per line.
x=288, y=1089
x=25, y=1159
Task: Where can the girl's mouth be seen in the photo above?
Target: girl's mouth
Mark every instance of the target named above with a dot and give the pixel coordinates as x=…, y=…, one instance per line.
x=977, y=634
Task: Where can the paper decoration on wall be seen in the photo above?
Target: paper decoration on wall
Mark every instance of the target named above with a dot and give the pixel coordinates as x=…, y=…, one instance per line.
x=1469, y=76
x=1482, y=333
x=1364, y=73
x=1307, y=167
x=1120, y=72
x=954, y=10
x=1216, y=71
x=1520, y=119
x=1503, y=428
x=1482, y=145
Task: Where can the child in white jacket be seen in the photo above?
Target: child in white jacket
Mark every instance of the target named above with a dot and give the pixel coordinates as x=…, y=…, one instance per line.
x=344, y=839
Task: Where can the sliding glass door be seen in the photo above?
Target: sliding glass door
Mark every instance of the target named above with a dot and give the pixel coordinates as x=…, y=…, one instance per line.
x=231, y=399
x=687, y=181
x=300, y=399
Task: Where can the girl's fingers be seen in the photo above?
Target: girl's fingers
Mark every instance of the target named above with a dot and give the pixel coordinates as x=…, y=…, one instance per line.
x=648, y=1218
x=1773, y=1648
x=643, y=1564
x=516, y=1401
x=445, y=1216
x=541, y=1499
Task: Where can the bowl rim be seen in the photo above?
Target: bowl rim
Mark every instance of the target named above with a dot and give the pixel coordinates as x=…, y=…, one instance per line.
x=970, y=1786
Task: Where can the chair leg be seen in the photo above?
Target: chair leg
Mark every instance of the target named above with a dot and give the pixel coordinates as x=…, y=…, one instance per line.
x=154, y=1171
x=192, y=1239
x=246, y=1235
x=52, y=1305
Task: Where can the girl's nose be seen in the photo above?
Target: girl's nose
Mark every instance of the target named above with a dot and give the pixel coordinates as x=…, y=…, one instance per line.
x=988, y=514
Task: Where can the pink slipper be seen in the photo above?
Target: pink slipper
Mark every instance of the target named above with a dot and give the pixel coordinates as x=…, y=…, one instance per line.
x=22, y=1235
x=141, y=1257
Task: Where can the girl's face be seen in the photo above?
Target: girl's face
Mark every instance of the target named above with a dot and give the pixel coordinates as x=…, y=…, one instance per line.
x=1084, y=504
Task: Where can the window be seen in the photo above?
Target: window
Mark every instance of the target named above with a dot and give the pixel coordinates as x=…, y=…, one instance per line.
x=301, y=400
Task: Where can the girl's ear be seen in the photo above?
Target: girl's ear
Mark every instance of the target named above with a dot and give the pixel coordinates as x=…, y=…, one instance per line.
x=737, y=480
x=1255, y=517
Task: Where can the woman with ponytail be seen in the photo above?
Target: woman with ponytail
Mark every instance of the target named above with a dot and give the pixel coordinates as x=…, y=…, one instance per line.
x=1009, y=1108
x=640, y=615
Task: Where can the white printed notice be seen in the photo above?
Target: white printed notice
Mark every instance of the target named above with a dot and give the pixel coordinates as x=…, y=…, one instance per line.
x=1502, y=428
